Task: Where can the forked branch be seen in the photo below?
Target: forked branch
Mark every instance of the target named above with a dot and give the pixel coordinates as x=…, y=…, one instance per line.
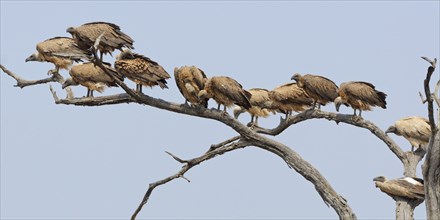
x=188, y=164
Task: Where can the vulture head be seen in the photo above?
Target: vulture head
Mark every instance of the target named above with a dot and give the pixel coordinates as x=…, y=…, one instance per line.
x=34, y=57
x=237, y=111
x=203, y=94
x=380, y=179
x=126, y=54
x=391, y=129
x=338, y=102
x=297, y=78
x=69, y=82
x=71, y=30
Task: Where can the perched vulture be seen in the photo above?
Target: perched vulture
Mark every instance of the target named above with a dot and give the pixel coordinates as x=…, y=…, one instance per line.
x=191, y=80
x=92, y=77
x=112, y=37
x=320, y=89
x=61, y=51
x=415, y=129
x=225, y=91
x=406, y=187
x=361, y=96
x=260, y=102
x=140, y=69
x=288, y=98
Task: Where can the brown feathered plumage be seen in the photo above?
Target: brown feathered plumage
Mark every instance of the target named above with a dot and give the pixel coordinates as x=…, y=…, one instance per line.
x=113, y=38
x=140, y=69
x=260, y=102
x=415, y=129
x=290, y=97
x=61, y=51
x=319, y=88
x=191, y=80
x=360, y=96
x=92, y=77
x=225, y=91
x=406, y=187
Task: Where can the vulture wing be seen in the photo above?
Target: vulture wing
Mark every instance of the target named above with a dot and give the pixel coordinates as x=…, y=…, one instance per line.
x=322, y=86
x=63, y=47
x=414, y=127
x=234, y=91
x=365, y=92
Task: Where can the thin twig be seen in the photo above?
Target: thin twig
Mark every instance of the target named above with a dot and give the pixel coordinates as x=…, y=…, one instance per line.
x=422, y=98
x=215, y=146
x=176, y=158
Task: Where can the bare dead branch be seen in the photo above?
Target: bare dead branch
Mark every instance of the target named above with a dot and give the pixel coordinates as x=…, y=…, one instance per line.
x=176, y=158
x=56, y=77
x=428, y=95
x=348, y=119
x=215, y=146
x=422, y=98
x=190, y=164
x=54, y=94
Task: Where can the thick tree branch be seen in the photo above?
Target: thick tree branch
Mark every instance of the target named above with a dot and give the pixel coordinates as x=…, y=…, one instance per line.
x=188, y=165
x=348, y=119
x=56, y=77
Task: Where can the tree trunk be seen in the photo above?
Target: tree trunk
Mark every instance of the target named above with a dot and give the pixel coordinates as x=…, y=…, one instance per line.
x=431, y=176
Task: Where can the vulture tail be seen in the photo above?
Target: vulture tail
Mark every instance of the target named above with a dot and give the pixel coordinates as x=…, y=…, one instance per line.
x=162, y=83
x=382, y=101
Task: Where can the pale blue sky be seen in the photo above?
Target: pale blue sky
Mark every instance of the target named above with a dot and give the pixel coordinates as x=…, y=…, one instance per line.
x=62, y=162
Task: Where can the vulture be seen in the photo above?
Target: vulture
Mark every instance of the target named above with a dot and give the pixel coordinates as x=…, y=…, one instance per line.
x=92, y=77
x=191, y=80
x=61, y=51
x=140, y=69
x=406, y=187
x=319, y=88
x=260, y=102
x=361, y=96
x=290, y=97
x=111, y=37
x=225, y=91
x=414, y=129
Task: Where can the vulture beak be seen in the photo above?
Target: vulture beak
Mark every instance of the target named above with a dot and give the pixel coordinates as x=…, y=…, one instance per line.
x=31, y=58
x=237, y=111
x=379, y=179
x=391, y=129
x=338, y=102
x=67, y=83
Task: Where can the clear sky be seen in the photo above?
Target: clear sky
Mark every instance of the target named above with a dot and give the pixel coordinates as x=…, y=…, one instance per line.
x=60, y=162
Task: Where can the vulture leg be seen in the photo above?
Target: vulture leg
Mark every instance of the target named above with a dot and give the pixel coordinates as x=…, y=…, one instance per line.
x=412, y=148
x=224, y=108
x=102, y=54
x=360, y=113
x=256, y=120
x=91, y=93
x=354, y=112
x=51, y=72
x=88, y=93
x=218, y=107
x=252, y=119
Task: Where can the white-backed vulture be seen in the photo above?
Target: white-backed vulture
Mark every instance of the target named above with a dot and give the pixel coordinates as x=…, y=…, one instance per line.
x=288, y=98
x=191, y=80
x=406, y=187
x=414, y=129
x=319, y=88
x=140, y=69
x=260, y=102
x=61, y=51
x=225, y=91
x=361, y=96
x=112, y=38
x=92, y=77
